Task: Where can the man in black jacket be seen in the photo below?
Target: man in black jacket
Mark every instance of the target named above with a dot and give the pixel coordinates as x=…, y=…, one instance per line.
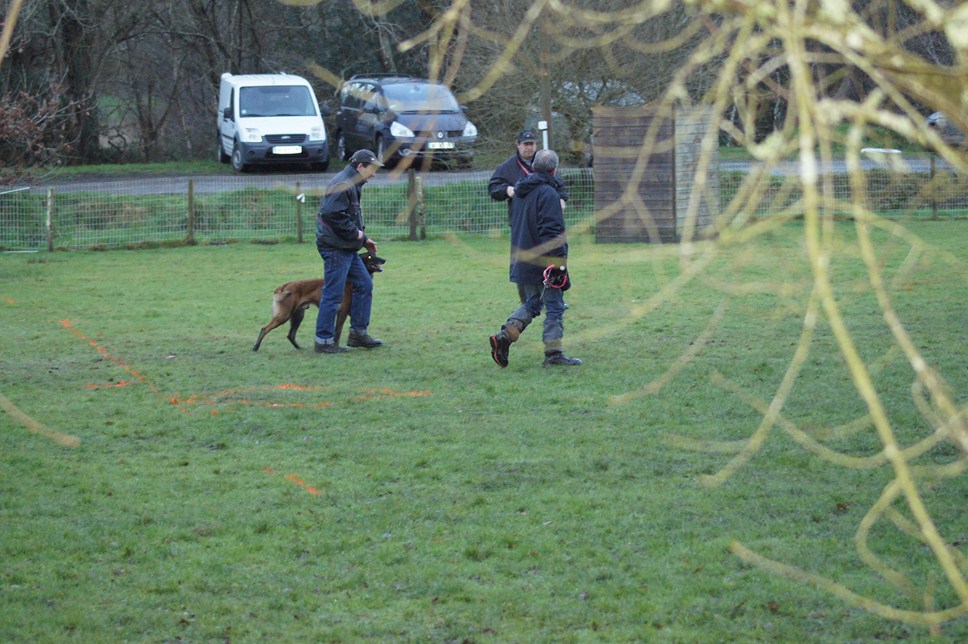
x=539, y=255
x=339, y=235
x=512, y=170
x=515, y=168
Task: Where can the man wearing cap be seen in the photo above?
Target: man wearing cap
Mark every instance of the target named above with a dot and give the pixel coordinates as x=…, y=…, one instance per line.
x=515, y=168
x=339, y=235
x=539, y=259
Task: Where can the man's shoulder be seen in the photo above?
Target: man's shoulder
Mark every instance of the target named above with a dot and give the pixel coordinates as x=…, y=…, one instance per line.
x=508, y=164
x=341, y=181
x=541, y=189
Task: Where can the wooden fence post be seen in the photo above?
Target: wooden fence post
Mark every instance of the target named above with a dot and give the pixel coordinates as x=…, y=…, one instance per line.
x=421, y=210
x=412, y=202
x=415, y=205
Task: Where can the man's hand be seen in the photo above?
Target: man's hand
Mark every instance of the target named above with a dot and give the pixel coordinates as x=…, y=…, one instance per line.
x=370, y=245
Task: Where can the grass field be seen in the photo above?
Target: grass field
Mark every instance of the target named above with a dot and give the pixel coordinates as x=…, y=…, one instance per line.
x=419, y=492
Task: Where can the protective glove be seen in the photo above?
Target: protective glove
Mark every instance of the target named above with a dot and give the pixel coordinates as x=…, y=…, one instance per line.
x=556, y=276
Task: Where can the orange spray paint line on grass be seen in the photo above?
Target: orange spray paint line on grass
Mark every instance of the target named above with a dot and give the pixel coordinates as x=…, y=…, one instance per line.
x=292, y=478
x=67, y=324
x=239, y=396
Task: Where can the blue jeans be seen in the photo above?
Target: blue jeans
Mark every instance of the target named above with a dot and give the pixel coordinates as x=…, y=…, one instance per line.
x=553, y=301
x=340, y=266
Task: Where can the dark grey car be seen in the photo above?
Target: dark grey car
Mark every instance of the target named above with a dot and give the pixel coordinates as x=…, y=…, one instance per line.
x=400, y=117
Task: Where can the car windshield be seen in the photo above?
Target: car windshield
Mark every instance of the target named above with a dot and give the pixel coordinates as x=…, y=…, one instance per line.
x=420, y=97
x=276, y=100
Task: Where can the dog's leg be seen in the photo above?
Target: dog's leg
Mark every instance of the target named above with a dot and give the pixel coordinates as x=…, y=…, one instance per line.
x=344, y=311
x=280, y=313
x=269, y=327
x=294, y=322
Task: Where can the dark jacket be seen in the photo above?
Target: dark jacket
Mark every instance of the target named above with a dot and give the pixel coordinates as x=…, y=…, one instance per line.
x=509, y=173
x=537, y=219
x=340, y=217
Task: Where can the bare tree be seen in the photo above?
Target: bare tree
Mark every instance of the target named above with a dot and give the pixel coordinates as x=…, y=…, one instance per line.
x=34, y=130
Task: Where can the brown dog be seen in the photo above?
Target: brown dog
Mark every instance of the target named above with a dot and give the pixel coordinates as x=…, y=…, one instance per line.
x=290, y=301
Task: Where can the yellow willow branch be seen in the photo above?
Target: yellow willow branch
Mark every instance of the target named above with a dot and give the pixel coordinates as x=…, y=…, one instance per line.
x=776, y=405
x=64, y=440
x=930, y=618
x=697, y=345
x=8, y=25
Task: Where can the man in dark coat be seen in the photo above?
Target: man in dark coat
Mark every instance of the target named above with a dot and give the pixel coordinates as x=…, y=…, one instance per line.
x=512, y=170
x=339, y=235
x=539, y=255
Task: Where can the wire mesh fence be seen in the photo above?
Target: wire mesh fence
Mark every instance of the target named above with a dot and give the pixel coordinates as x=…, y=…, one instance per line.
x=222, y=209
x=919, y=188
x=267, y=207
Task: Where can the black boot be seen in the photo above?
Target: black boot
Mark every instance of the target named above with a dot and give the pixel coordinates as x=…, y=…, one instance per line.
x=500, y=345
x=362, y=340
x=331, y=347
x=559, y=358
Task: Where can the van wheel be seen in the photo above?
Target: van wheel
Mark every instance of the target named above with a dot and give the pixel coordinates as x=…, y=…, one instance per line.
x=222, y=157
x=341, y=150
x=237, y=163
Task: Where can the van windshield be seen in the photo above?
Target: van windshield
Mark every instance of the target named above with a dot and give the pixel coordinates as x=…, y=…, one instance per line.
x=420, y=97
x=276, y=100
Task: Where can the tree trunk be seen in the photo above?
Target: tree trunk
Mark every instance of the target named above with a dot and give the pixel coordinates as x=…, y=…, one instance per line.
x=74, y=41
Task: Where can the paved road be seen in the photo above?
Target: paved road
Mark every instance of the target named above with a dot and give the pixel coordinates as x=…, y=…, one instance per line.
x=792, y=168
x=267, y=178
x=148, y=184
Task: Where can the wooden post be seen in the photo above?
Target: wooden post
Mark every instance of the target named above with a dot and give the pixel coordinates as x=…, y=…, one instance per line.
x=412, y=202
x=421, y=209
x=50, y=220
x=299, y=222
x=190, y=235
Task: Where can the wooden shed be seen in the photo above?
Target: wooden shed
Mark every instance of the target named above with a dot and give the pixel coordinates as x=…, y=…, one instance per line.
x=643, y=186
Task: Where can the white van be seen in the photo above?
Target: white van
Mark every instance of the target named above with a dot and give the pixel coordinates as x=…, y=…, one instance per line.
x=270, y=118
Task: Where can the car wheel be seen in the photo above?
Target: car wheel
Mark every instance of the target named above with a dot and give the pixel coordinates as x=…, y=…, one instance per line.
x=341, y=150
x=222, y=157
x=381, y=153
x=237, y=163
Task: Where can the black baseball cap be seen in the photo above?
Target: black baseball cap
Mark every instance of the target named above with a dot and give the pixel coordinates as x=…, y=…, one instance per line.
x=364, y=156
x=527, y=135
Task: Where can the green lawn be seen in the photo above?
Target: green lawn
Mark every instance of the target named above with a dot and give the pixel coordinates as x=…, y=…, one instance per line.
x=419, y=492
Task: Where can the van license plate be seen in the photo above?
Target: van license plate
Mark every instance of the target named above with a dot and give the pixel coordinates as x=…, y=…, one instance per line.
x=286, y=149
x=440, y=145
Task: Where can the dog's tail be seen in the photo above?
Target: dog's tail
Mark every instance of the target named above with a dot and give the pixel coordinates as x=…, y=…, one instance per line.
x=280, y=296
